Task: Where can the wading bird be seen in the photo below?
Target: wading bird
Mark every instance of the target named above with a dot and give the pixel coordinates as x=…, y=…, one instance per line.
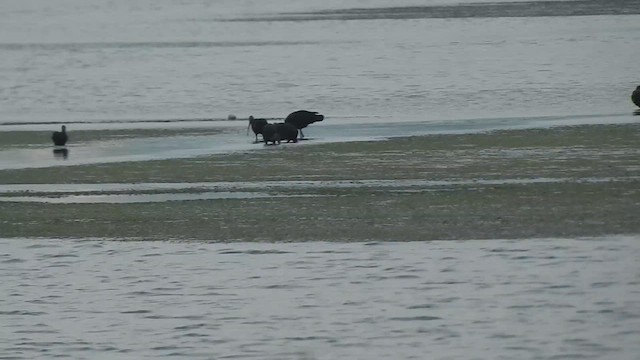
x=270, y=134
x=257, y=126
x=287, y=132
x=60, y=137
x=302, y=118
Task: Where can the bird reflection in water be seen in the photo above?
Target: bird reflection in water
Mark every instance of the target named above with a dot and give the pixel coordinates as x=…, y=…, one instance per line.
x=636, y=113
x=61, y=153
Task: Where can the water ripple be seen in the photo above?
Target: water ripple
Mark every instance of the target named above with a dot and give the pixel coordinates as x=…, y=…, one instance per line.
x=326, y=300
x=415, y=318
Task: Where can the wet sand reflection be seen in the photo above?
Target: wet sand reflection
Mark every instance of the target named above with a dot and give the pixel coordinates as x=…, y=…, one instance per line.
x=61, y=153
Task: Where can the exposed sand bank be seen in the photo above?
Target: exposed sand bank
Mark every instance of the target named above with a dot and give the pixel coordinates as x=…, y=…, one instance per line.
x=485, y=191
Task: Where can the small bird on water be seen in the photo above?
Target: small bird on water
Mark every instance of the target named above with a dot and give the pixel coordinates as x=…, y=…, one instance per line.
x=60, y=137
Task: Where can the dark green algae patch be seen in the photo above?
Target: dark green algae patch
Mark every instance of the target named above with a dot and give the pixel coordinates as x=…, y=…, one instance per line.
x=598, y=191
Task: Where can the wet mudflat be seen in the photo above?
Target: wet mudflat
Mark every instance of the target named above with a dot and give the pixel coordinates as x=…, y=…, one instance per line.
x=564, y=181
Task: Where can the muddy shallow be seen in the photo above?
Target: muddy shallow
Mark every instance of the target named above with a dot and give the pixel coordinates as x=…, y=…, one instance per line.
x=29, y=146
x=566, y=181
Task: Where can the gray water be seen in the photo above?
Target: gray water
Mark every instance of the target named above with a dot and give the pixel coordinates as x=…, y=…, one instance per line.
x=122, y=193
x=234, y=138
x=483, y=299
x=394, y=68
x=405, y=60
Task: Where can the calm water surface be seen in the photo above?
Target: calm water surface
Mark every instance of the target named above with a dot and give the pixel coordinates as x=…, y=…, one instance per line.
x=404, y=60
x=495, y=299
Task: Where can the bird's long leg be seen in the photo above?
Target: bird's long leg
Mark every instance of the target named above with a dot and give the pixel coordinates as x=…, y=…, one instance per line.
x=301, y=134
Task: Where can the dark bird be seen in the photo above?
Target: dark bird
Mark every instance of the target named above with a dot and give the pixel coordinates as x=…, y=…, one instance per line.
x=257, y=126
x=302, y=118
x=276, y=133
x=287, y=132
x=270, y=134
x=60, y=137
x=635, y=96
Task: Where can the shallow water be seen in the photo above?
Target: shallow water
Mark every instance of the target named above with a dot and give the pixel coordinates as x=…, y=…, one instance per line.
x=162, y=192
x=233, y=138
x=91, y=61
x=534, y=299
